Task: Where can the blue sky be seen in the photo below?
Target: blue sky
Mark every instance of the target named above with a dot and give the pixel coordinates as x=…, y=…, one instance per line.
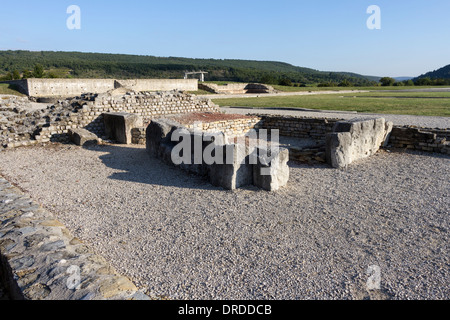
x=324, y=35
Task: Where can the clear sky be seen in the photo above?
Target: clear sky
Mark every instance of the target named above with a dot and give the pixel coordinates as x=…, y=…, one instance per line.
x=326, y=35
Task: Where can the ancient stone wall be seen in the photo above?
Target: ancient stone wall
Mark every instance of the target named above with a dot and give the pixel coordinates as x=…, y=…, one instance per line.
x=230, y=125
x=298, y=127
x=430, y=140
x=20, y=126
x=356, y=139
x=236, y=88
x=75, y=87
x=158, y=84
x=232, y=166
x=41, y=260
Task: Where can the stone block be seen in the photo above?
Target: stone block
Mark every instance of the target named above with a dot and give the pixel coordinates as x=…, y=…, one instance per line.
x=271, y=171
x=118, y=126
x=235, y=171
x=158, y=133
x=356, y=139
x=82, y=137
x=337, y=149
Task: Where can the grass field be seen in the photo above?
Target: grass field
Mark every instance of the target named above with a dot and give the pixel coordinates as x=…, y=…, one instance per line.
x=7, y=89
x=315, y=88
x=411, y=103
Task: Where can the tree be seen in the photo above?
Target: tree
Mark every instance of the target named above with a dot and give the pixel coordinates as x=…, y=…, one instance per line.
x=52, y=75
x=38, y=71
x=268, y=79
x=8, y=76
x=26, y=74
x=285, y=82
x=424, y=82
x=16, y=75
x=387, y=81
x=345, y=83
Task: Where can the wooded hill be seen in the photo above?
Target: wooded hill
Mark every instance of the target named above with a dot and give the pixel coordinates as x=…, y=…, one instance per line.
x=442, y=73
x=120, y=66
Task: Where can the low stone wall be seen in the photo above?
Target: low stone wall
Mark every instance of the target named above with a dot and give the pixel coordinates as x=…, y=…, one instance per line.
x=230, y=165
x=76, y=87
x=299, y=127
x=138, y=136
x=158, y=84
x=230, y=125
x=21, y=126
x=308, y=155
x=429, y=140
x=236, y=88
x=42, y=260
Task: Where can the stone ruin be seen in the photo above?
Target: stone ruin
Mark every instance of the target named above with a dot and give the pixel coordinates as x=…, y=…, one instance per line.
x=235, y=165
x=23, y=123
x=150, y=119
x=356, y=139
x=153, y=119
x=237, y=88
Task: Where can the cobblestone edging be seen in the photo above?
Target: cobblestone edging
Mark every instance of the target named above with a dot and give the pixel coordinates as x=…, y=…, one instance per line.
x=41, y=260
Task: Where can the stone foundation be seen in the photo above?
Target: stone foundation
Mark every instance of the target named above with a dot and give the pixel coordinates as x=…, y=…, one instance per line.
x=356, y=139
x=236, y=88
x=20, y=125
x=76, y=87
x=233, y=165
x=429, y=140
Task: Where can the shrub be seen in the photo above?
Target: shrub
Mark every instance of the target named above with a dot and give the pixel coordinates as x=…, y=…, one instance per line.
x=16, y=75
x=38, y=71
x=345, y=83
x=285, y=82
x=387, y=81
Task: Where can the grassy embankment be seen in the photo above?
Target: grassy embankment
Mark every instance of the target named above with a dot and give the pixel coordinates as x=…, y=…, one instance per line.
x=8, y=89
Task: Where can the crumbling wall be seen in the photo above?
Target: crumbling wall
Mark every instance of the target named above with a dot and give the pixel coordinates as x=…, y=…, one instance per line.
x=21, y=125
x=233, y=165
x=429, y=140
x=298, y=127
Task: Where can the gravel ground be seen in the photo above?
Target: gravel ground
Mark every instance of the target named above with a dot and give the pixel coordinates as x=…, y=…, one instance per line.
x=180, y=238
x=400, y=120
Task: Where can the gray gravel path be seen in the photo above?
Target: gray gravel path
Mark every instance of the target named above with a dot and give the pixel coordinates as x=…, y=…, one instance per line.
x=181, y=238
x=401, y=120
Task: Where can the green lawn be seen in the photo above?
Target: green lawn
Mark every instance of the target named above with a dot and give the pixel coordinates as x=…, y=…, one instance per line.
x=413, y=103
x=8, y=89
x=315, y=88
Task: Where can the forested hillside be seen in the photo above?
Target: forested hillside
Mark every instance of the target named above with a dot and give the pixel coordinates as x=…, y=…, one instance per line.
x=440, y=76
x=25, y=64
